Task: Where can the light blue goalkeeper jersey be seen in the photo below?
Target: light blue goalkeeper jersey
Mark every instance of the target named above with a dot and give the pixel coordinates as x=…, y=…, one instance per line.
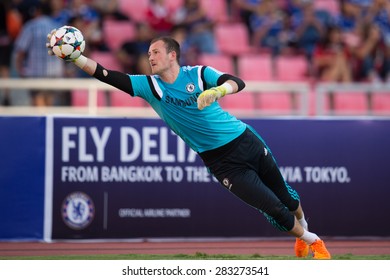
x=176, y=104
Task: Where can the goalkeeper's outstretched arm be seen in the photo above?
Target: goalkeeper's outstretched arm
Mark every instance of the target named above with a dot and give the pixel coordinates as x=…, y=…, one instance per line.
x=91, y=67
x=115, y=78
x=86, y=64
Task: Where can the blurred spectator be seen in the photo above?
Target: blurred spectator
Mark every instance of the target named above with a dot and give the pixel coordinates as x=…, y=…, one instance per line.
x=331, y=58
x=368, y=53
x=132, y=55
x=308, y=28
x=293, y=6
x=188, y=54
x=350, y=18
x=60, y=12
x=14, y=20
x=363, y=3
x=26, y=8
x=297, y=6
x=199, y=27
x=246, y=9
x=109, y=9
x=159, y=17
x=379, y=14
x=270, y=27
x=10, y=26
x=91, y=26
x=31, y=59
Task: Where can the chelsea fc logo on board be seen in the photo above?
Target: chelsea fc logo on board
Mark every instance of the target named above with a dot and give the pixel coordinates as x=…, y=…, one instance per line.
x=78, y=210
x=190, y=87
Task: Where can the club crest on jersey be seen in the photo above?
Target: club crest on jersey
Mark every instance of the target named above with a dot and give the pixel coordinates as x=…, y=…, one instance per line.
x=190, y=87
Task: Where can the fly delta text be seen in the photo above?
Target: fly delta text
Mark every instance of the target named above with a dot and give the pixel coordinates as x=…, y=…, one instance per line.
x=144, y=155
x=86, y=145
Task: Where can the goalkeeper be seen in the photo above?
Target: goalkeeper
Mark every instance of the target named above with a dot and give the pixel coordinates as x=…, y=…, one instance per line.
x=186, y=99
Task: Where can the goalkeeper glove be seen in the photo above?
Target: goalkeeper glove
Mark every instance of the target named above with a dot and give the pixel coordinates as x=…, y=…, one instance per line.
x=81, y=61
x=209, y=96
x=49, y=48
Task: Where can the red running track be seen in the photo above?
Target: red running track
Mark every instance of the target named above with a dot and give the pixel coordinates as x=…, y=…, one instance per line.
x=261, y=247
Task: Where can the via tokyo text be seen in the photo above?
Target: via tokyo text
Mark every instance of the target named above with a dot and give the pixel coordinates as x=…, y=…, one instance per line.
x=148, y=174
x=316, y=174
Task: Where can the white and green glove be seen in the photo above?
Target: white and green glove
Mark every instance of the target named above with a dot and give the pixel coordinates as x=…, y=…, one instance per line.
x=209, y=96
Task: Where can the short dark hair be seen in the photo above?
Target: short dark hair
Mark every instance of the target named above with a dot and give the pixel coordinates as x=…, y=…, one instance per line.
x=170, y=44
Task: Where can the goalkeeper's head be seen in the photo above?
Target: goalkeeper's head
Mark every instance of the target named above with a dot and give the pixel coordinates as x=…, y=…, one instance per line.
x=171, y=45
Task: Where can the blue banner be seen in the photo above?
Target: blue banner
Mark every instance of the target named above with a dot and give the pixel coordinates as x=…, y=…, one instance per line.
x=133, y=178
x=339, y=167
x=22, y=171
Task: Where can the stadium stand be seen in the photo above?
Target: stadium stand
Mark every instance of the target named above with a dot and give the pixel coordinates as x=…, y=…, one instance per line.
x=232, y=38
x=255, y=67
x=120, y=99
x=80, y=97
x=216, y=10
x=276, y=103
x=237, y=56
x=288, y=68
x=331, y=6
x=222, y=62
x=106, y=59
x=135, y=9
x=245, y=101
x=380, y=103
x=174, y=4
x=117, y=32
x=292, y=68
x=350, y=103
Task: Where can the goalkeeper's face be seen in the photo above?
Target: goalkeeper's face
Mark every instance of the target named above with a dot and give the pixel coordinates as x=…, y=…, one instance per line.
x=160, y=60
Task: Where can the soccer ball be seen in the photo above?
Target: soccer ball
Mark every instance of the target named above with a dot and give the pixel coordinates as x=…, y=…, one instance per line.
x=67, y=42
